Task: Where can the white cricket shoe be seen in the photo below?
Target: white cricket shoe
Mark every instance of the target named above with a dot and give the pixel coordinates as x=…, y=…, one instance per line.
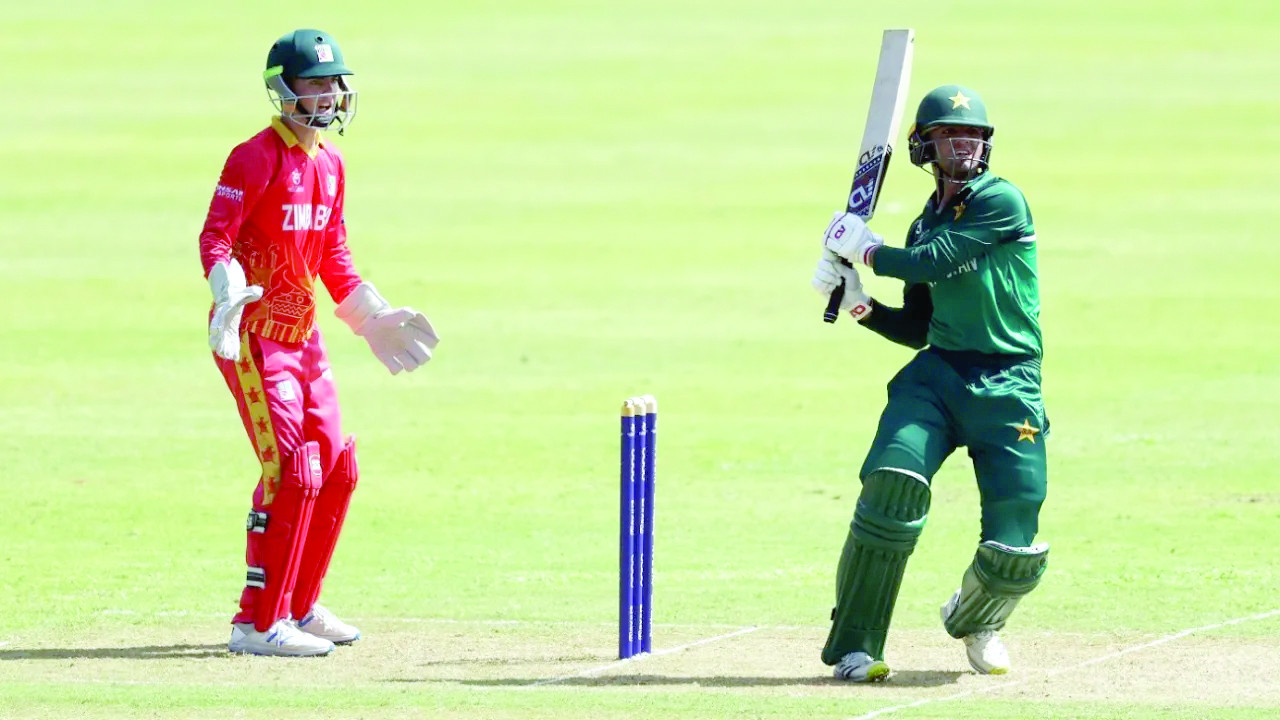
x=987, y=653
x=282, y=638
x=324, y=624
x=860, y=667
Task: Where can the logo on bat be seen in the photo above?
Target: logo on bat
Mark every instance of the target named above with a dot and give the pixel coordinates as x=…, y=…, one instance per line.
x=865, y=181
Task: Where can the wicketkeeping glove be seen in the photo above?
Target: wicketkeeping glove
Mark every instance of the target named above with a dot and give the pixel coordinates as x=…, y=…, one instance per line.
x=850, y=238
x=402, y=338
x=827, y=277
x=226, y=280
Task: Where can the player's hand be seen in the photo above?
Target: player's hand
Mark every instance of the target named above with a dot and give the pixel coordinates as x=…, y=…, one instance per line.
x=230, y=295
x=401, y=338
x=850, y=238
x=831, y=271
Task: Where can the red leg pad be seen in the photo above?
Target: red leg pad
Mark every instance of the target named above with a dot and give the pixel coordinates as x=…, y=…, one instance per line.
x=276, y=536
x=326, y=525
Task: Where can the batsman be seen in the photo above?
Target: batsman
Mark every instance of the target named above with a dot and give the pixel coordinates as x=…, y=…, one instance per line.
x=275, y=225
x=971, y=306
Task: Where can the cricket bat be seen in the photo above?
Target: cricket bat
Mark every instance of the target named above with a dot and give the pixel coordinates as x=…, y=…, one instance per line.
x=888, y=97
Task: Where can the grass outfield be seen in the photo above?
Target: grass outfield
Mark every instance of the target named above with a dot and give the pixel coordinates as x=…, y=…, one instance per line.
x=595, y=200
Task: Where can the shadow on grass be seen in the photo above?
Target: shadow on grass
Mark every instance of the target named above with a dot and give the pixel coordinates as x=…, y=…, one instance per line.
x=146, y=652
x=925, y=678
x=906, y=678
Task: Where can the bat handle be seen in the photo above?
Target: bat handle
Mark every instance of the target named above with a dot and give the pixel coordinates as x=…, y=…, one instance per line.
x=833, y=304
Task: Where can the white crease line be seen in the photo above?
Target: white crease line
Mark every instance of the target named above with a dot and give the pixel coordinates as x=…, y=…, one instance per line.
x=1072, y=668
x=579, y=623
x=589, y=672
x=548, y=623
x=173, y=683
x=462, y=621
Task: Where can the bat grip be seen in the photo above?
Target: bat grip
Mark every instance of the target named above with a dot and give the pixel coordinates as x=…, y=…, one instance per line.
x=833, y=304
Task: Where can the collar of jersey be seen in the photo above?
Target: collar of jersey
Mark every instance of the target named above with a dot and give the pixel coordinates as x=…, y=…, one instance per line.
x=969, y=189
x=290, y=140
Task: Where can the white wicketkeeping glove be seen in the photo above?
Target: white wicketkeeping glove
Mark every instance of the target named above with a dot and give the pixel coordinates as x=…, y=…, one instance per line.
x=850, y=238
x=226, y=280
x=829, y=274
x=402, y=338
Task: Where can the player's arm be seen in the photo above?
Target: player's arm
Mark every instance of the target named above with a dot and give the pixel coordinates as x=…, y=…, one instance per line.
x=337, y=269
x=932, y=261
x=243, y=180
x=851, y=239
x=907, y=325
x=401, y=338
x=989, y=218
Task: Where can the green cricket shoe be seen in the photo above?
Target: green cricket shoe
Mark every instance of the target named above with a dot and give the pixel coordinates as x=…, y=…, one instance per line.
x=860, y=667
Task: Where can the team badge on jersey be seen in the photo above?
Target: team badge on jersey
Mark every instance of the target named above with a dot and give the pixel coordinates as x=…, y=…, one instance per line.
x=295, y=181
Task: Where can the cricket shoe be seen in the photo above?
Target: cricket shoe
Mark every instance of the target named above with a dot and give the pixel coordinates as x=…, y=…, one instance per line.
x=282, y=638
x=860, y=667
x=324, y=624
x=987, y=653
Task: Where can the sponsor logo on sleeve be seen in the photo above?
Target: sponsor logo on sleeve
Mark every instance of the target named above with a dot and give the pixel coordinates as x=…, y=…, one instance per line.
x=332, y=183
x=230, y=193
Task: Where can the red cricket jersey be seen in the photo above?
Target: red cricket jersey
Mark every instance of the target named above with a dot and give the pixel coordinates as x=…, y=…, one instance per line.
x=277, y=209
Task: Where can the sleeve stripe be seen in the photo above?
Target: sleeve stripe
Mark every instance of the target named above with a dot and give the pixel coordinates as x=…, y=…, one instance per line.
x=1027, y=239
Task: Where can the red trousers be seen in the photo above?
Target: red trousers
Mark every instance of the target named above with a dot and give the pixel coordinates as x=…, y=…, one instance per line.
x=286, y=397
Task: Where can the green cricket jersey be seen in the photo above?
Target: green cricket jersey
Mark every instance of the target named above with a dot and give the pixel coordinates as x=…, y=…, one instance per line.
x=978, y=256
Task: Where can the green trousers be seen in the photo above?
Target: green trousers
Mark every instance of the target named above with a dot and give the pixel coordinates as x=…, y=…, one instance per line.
x=943, y=400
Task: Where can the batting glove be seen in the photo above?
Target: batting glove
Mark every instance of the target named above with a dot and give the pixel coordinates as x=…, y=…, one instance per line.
x=850, y=238
x=831, y=271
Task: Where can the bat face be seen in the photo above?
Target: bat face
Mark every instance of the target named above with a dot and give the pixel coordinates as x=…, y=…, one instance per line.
x=866, y=180
x=888, y=95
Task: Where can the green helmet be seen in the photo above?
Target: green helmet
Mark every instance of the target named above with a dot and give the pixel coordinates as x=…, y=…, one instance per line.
x=947, y=105
x=308, y=53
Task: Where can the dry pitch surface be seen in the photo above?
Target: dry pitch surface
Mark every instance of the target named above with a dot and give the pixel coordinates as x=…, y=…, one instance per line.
x=1204, y=669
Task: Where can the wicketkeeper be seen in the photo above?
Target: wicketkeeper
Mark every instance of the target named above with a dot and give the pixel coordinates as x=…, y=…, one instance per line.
x=972, y=302
x=275, y=225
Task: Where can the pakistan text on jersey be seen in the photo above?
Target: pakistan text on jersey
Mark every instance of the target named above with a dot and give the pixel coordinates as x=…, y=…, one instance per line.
x=968, y=266
x=300, y=216
x=229, y=193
